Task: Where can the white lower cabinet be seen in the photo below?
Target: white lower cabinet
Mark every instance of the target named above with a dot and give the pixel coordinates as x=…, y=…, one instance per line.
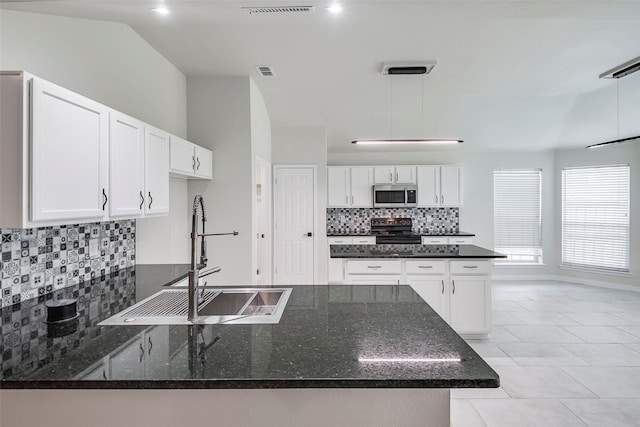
x=336, y=265
x=458, y=290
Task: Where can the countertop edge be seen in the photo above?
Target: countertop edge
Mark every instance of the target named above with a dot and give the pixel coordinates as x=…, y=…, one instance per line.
x=248, y=384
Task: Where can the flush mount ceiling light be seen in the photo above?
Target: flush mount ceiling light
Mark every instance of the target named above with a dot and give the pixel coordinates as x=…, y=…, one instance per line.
x=335, y=8
x=406, y=141
x=617, y=73
x=161, y=10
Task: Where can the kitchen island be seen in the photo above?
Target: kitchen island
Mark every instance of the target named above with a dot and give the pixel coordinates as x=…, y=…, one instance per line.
x=340, y=355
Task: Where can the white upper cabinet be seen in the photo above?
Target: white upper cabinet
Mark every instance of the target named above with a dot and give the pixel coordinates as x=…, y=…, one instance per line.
x=451, y=185
x=67, y=159
x=439, y=186
x=349, y=186
x=126, y=166
x=156, y=174
x=189, y=160
x=69, y=155
x=395, y=175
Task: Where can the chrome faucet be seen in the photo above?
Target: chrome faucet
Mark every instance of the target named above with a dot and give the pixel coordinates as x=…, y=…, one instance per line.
x=194, y=273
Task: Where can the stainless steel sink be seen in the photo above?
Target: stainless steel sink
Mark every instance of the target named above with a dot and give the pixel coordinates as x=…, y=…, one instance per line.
x=228, y=305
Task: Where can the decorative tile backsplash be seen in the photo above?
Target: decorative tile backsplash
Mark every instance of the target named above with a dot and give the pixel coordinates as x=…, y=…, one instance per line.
x=425, y=220
x=37, y=261
x=29, y=343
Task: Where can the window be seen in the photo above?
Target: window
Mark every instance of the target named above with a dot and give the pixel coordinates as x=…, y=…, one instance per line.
x=517, y=216
x=595, y=218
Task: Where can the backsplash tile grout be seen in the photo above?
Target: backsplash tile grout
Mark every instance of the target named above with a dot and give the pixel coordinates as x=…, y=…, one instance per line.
x=37, y=261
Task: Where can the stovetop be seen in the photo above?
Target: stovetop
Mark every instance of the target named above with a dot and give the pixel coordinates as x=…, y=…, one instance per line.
x=394, y=230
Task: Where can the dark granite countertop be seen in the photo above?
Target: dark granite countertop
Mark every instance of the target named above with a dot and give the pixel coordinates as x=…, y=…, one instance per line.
x=458, y=234
x=323, y=338
x=412, y=251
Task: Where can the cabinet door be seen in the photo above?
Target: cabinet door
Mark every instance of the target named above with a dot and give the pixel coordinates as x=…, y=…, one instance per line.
x=405, y=175
x=383, y=175
x=156, y=172
x=450, y=186
x=69, y=155
x=204, y=162
x=338, y=183
x=470, y=304
x=432, y=289
x=361, y=187
x=182, y=158
x=428, y=186
x=126, y=166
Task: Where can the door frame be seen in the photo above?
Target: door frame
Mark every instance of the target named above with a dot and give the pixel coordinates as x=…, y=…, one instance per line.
x=267, y=211
x=314, y=169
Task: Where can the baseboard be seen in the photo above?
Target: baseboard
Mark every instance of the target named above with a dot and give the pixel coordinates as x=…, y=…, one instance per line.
x=558, y=278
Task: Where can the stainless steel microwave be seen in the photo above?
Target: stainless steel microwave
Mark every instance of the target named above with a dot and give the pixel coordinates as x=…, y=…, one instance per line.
x=395, y=196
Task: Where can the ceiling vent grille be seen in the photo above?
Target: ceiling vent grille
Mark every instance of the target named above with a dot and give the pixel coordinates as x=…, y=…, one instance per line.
x=396, y=68
x=265, y=70
x=278, y=9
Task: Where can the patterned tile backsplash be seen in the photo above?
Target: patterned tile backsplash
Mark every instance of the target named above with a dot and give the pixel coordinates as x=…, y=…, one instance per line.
x=37, y=261
x=425, y=220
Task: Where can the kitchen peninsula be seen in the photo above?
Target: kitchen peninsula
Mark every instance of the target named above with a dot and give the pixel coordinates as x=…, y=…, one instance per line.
x=357, y=355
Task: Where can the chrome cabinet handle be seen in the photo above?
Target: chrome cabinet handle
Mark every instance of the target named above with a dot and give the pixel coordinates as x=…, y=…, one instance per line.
x=150, y=346
x=425, y=266
x=104, y=195
x=104, y=374
x=193, y=166
x=442, y=287
x=374, y=266
x=141, y=352
x=396, y=176
x=436, y=199
x=150, y=200
x=453, y=282
x=441, y=199
x=351, y=199
x=469, y=266
x=198, y=159
x=141, y=199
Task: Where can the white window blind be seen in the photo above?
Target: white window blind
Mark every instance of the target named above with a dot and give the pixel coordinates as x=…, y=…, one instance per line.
x=595, y=218
x=517, y=215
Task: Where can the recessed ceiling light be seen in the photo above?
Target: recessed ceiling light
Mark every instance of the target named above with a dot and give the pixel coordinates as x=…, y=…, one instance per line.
x=161, y=10
x=335, y=8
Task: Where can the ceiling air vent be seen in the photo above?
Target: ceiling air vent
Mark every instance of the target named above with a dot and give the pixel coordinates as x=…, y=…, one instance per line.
x=395, y=68
x=278, y=9
x=622, y=70
x=265, y=70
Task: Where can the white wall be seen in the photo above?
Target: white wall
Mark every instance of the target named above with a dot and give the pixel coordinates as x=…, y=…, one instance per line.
x=112, y=64
x=611, y=155
x=476, y=214
x=228, y=116
x=308, y=146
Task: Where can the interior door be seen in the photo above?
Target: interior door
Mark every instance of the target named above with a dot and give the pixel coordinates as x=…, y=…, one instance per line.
x=294, y=225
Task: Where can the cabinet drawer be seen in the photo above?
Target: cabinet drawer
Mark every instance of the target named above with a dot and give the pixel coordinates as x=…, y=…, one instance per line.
x=367, y=240
x=460, y=240
x=374, y=267
x=434, y=240
x=471, y=267
x=425, y=267
x=340, y=240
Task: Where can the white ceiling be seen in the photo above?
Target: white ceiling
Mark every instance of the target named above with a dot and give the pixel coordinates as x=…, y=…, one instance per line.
x=511, y=75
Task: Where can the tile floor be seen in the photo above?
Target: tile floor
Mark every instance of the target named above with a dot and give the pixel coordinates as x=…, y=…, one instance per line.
x=567, y=354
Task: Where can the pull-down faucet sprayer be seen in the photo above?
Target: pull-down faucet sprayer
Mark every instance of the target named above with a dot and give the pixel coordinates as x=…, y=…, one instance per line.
x=194, y=272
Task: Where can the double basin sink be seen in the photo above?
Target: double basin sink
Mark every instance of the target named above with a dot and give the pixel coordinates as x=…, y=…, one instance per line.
x=216, y=306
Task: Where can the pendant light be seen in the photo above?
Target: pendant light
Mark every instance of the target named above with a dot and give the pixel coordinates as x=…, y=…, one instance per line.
x=407, y=68
x=617, y=73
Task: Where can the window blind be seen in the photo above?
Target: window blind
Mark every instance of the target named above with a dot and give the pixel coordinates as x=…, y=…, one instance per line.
x=595, y=218
x=517, y=215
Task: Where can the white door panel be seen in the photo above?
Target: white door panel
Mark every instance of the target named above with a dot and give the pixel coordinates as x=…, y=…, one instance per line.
x=295, y=240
